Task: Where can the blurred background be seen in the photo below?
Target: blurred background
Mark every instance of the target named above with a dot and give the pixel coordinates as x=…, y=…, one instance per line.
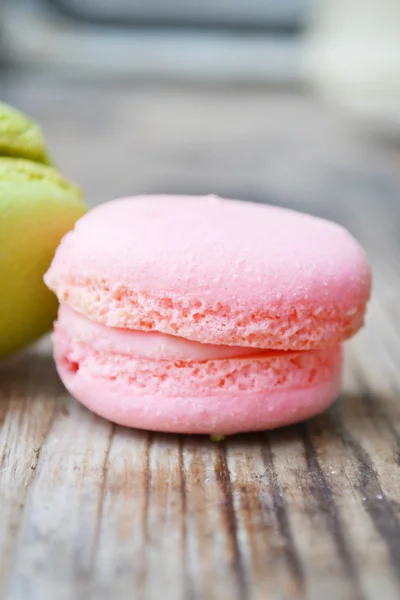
x=293, y=102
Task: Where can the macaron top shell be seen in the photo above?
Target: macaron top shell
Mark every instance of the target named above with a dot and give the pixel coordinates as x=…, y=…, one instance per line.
x=20, y=137
x=23, y=171
x=215, y=271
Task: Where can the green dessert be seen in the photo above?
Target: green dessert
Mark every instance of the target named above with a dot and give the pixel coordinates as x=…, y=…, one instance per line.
x=20, y=137
x=37, y=207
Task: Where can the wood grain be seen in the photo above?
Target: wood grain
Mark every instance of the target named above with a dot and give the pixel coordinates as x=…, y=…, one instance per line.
x=89, y=510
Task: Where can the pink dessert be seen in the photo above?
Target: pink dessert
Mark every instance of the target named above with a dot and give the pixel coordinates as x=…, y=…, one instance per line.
x=203, y=315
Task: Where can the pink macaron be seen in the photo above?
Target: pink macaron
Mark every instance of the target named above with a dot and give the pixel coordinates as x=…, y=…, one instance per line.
x=204, y=315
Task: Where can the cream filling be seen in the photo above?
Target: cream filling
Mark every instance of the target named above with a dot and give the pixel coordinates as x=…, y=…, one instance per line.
x=149, y=345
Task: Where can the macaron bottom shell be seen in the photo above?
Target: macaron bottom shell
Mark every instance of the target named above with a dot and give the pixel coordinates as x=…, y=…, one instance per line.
x=219, y=396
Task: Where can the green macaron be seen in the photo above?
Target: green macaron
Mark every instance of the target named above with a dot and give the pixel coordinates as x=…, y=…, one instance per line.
x=37, y=207
x=20, y=137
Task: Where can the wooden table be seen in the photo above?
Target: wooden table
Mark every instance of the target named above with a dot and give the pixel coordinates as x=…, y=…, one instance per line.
x=89, y=510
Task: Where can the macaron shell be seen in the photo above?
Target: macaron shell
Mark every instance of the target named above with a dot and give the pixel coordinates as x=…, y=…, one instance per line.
x=20, y=137
x=214, y=271
x=225, y=395
x=219, y=414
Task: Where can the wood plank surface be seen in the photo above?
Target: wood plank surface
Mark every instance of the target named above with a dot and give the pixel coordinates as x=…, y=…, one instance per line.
x=89, y=510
